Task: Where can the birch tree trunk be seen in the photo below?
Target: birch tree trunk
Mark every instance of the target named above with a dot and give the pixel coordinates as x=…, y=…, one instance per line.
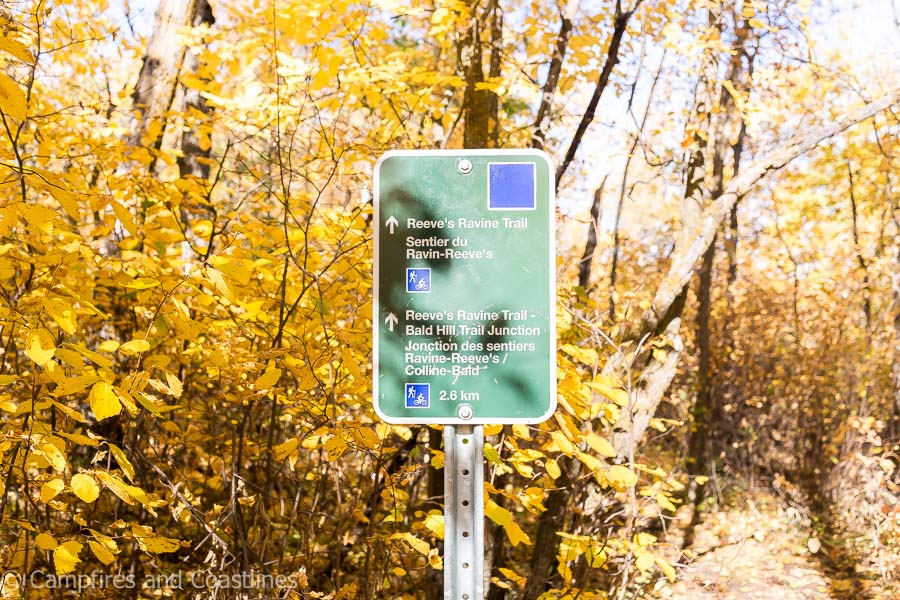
x=155, y=89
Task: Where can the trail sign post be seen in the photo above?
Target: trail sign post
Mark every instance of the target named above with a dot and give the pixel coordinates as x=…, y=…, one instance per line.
x=464, y=315
x=465, y=287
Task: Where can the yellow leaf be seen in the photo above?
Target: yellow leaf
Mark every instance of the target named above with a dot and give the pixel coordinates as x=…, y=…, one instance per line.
x=174, y=385
x=108, y=346
x=267, y=379
x=12, y=98
x=420, y=546
x=621, y=477
x=756, y=23
x=586, y=356
x=617, y=395
x=435, y=560
x=521, y=431
x=85, y=487
x=124, y=217
x=105, y=540
x=65, y=557
x=599, y=445
x=504, y=518
x=45, y=541
x=81, y=440
x=232, y=268
x=435, y=524
x=103, y=401
x=644, y=561
x=116, y=486
x=282, y=451
x=516, y=535
x=667, y=569
x=562, y=443
x=122, y=459
x=492, y=429
x=134, y=347
x=104, y=555
x=497, y=513
x=51, y=489
x=437, y=459
x=53, y=455
x=553, y=468
x=591, y=462
x=66, y=200
x=15, y=48
x=63, y=313
x=40, y=346
x=665, y=503
x=155, y=544
x=95, y=357
x=142, y=283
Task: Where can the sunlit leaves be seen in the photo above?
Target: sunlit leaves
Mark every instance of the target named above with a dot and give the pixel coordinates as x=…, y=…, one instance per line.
x=268, y=379
x=16, y=49
x=13, y=98
x=51, y=489
x=134, y=347
x=85, y=487
x=104, y=401
x=45, y=541
x=40, y=346
x=504, y=518
x=153, y=543
x=621, y=477
x=65, y=556
x=63, y=313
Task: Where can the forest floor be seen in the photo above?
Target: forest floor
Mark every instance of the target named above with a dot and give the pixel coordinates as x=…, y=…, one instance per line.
x=760, y=544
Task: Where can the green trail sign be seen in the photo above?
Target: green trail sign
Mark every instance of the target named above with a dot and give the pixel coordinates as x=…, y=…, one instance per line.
x=465, y=287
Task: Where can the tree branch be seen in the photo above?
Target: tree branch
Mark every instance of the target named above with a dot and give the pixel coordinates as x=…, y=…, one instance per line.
x=693, y=241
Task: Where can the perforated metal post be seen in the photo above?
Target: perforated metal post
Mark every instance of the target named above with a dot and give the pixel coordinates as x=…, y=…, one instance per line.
x=463, y=512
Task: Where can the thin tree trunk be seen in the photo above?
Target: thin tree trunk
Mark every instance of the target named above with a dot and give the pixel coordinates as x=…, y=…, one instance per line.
x=495, y=71
x=584, y=269
x=854, y=212
x=476, y=102
x=620, y=24
x=552, y=82
x=546, y=541
x=613, y=269
x=155, y=89
x=698, y=450
x=195, y=153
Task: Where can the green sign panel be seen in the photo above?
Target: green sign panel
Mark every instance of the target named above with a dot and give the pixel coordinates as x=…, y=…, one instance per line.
x=465, y=287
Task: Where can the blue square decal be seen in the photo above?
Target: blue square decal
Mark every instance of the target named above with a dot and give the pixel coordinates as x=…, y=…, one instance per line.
x=511, y=186
x=418, y=281
x=418, y=395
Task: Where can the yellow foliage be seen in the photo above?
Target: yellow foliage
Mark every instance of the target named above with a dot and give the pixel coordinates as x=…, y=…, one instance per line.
x=85, y=487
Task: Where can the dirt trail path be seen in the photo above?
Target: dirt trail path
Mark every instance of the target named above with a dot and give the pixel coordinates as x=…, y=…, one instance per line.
x=759, y=547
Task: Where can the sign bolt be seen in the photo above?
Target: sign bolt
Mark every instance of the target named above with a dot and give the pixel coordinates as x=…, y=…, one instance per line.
x=464, y=166
x=464, y=411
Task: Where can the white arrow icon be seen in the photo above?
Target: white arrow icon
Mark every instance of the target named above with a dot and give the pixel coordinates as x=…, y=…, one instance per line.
x=391, y=320
x=391, y=223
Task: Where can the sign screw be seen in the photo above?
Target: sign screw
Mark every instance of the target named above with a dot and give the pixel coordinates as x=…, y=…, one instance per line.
x=464, y=411
x=464, y=166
